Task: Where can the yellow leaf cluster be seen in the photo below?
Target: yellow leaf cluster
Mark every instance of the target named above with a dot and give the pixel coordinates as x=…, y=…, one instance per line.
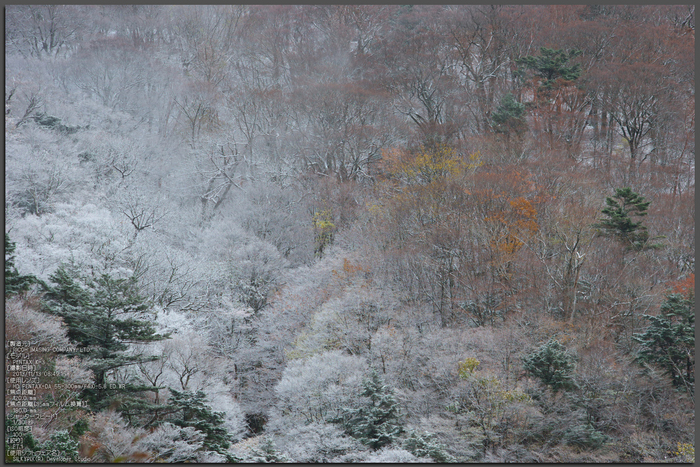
x=467, y=367
x=474, y=161
x=686, y=453
x=323, y=220
x=428, y=165
x=490, y=389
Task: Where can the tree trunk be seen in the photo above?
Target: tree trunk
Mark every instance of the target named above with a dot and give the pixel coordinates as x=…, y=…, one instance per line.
x=633, y=160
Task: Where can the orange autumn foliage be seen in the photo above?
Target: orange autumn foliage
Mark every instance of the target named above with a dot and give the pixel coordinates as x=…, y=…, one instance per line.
x=685, y=287
x=516, y=223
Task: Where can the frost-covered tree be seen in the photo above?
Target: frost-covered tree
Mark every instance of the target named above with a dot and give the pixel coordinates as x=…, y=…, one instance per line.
x=392, y=455
x=24, y=320
x=45, y=30
x=113, y=440
x=228, y=329
x=109, y=70
x=266, y=452
x=42, y=180
x=174, y=279
x=256, y=267
x=278, y=327
x=276, y=213
x=312, y=443
x=319, y=387
x=186, y=363
x=142, y=211
x=268, y=133
x=173, y=444
x=348, y=322
x=83, y=234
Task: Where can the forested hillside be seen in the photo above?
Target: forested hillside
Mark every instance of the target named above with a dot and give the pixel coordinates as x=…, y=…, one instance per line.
x=404, y=233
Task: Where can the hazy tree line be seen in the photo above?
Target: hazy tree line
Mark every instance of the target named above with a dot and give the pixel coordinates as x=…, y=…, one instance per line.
x=355, y=233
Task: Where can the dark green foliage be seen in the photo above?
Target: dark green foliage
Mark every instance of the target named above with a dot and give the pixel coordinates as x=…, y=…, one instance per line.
x=47, y=120
x=552, y=364
x=190, y=409
x=584, y=436
x=137, y=409
x=619, y=223
x=15, y=283
x=28, y=441
x=425, y=445
x=669, y=341
x=377, y=422
x=79, y=428
x=508, y=117
x=552, y=65
x=70, y=301
x=104, y=315
x=60, y=448
x=54, y=123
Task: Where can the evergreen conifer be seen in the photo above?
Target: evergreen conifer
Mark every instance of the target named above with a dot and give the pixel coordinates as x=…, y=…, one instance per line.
x=103, y=316
x=552, y=364
x=376, y=423
x=619, y=223
x=509, y=116
x=189, y=409
x=15, y=283
x=552, y=64
x=669, y=341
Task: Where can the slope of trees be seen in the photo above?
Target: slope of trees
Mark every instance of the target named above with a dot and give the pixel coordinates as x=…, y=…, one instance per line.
x=337, y=233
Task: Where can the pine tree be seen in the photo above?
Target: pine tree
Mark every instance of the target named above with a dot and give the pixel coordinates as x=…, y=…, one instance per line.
x=619, y=223
x=377, y=423
x=669, y=341
x=15, y=283
x=552, y=65
x=190, y=410
x=103, y=315
x=552, y=364
x=508, y=117
x=425, y=445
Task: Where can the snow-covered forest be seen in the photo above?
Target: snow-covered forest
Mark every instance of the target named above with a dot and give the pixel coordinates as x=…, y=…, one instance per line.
x=351, y=233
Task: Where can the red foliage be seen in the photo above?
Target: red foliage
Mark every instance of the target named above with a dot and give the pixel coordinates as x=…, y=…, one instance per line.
x=685, y=287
